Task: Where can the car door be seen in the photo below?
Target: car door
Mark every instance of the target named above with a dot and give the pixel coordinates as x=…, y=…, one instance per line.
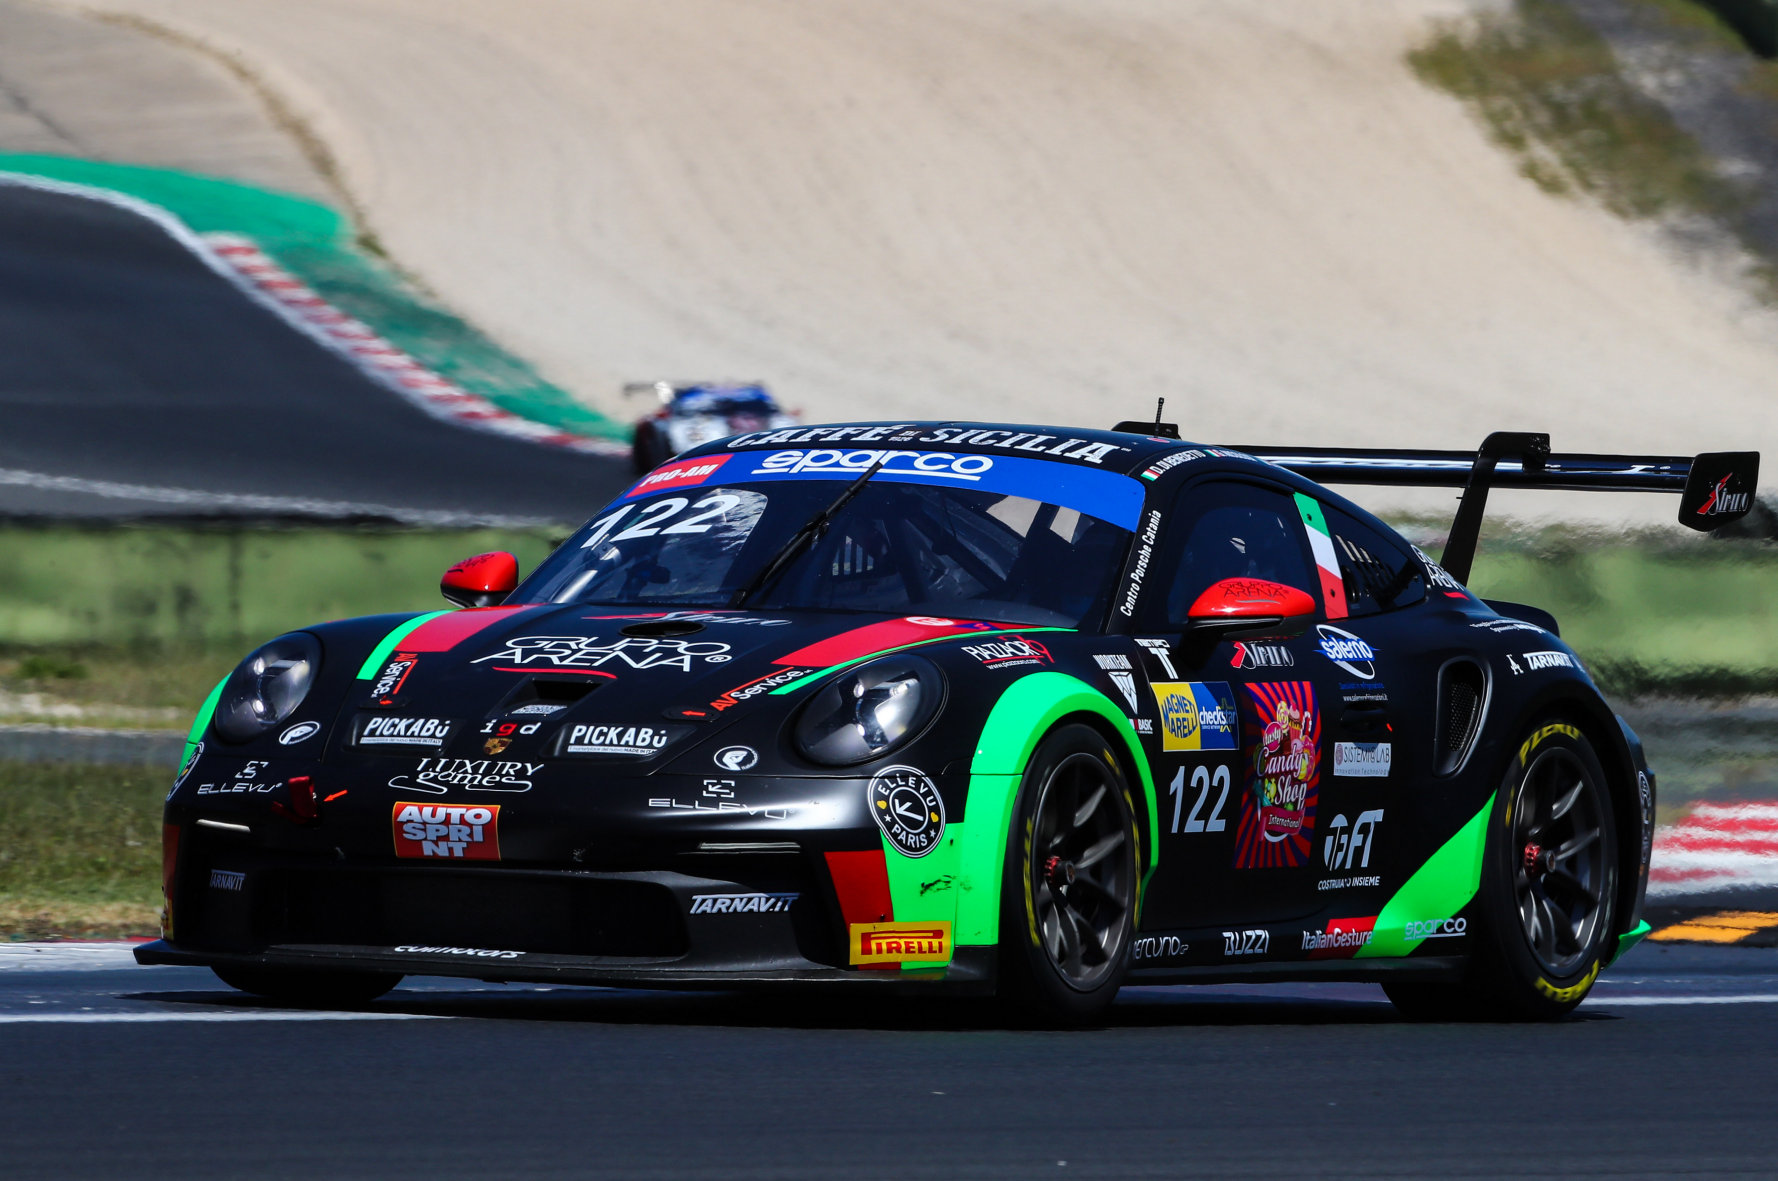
x=1242, y=740
x=1382, y=687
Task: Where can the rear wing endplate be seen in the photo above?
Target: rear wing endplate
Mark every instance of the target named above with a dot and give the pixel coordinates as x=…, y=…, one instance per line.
x=1714, y=488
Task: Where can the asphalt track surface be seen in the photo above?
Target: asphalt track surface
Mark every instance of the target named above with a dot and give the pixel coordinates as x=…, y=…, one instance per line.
x=111, y=1070
x=125, y=361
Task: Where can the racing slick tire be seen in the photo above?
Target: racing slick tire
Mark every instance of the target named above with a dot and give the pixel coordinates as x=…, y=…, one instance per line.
x=648, y=450
x=1068, y=900
x=309, y=988
x=1545, y=908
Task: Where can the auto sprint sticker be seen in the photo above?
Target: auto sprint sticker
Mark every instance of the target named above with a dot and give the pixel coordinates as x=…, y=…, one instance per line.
x=1281, y=742
x=907, y=807
x=1196, y=715
x=591, y=652
x=459, y=832
x=889, y=943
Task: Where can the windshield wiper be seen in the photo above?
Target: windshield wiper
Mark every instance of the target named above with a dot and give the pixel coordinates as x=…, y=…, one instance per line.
x=808, y=534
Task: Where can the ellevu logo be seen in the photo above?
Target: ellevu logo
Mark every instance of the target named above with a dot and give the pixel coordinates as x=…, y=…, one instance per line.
x=1126, y=684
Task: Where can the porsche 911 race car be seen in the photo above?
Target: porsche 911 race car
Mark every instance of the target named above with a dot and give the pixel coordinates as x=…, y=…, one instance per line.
x=945, y=706
x=691, y=415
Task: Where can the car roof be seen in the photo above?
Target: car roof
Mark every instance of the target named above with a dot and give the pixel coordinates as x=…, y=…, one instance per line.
x=1116, y=451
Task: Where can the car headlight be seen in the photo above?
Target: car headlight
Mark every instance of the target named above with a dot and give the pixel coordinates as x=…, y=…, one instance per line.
x=867, y=711
x=266, y=688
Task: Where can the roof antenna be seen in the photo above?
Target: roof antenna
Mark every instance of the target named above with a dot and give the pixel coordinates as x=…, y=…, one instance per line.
x=1159, y=403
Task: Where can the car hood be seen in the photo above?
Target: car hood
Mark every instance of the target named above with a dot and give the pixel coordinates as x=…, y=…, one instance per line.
x=517, y=681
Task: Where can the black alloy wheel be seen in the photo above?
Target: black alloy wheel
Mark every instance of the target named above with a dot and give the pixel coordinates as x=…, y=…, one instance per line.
x=1560, y=876
x=1542, y=924
x=1069, y=917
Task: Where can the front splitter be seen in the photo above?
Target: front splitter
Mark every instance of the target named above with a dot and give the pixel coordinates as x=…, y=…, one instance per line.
x=970, y=972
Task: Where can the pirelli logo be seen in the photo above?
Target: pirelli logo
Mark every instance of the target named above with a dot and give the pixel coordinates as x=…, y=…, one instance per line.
x=889, y=943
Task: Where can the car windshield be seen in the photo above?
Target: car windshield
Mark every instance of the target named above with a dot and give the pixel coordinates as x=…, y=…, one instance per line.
x=897, y=546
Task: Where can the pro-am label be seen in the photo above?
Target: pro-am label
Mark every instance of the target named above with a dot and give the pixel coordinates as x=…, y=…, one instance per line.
x=907, y=808
x=401, y=731
x=446, y=832
x=619, y=739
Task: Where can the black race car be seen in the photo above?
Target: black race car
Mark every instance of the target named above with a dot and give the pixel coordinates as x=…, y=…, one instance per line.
x=945, y=706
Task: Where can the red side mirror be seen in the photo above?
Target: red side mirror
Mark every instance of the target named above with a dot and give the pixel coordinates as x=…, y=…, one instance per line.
x=1252, y=599
x=481, y=581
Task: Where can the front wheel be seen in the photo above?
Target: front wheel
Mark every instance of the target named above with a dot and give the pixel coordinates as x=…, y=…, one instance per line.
x=309, y=987
x=1068, y=902
x=1548, y=891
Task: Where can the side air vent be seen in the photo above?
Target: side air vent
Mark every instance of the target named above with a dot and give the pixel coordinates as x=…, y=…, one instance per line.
x=1462, y=701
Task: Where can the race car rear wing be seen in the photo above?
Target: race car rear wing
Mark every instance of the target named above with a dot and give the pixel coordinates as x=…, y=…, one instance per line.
x=1715, y=488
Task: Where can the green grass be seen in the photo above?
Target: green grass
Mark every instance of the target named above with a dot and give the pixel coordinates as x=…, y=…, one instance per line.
x=1550, y=91
x=1651, y=614
x=81, y=850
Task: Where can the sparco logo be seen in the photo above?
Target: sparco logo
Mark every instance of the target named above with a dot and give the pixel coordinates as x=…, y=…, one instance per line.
x=741, y=903
x=614, y=740
x=1435, y=929
x=589, y=652
x=1348, y=651
x=942, y=464
x=384, y=730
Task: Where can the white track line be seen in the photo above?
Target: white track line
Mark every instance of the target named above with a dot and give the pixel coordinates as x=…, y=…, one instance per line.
x=1746, y=998
x=197, y=500
x=152, y=1018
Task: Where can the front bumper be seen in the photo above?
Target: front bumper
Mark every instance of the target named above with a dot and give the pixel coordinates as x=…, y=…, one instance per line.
x=654, y=883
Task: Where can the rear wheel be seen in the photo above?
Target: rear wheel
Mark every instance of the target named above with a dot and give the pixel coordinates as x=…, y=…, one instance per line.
x=1549, y=887
x=308, y=987
x=1068, y=903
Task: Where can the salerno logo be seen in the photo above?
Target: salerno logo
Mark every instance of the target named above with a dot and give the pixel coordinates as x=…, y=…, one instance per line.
x=1348, y=651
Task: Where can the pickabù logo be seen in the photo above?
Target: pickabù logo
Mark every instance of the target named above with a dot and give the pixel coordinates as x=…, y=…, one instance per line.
x=1348, y=651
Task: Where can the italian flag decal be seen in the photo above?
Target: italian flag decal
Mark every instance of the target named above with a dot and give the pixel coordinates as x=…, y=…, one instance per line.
x=1333, y=587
